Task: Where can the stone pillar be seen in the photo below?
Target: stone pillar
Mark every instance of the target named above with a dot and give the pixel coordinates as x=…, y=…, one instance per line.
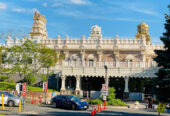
x=66, y=53
x=126, y=84
x=126, y=90
x=63, y=87
x=77, y=83
x=82, y=58
x=99, y=57
x=116, y=60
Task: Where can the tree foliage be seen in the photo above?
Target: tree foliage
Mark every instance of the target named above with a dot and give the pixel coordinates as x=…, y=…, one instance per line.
x=30, y=59
x=162, y=82
x=48, y=58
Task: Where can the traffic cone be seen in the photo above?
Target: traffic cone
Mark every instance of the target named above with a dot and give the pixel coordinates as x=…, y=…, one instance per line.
x=92, y=112
x=35, y=100
x=32, y=100
x=95, y=110
x=98, y=109
x=101, y=107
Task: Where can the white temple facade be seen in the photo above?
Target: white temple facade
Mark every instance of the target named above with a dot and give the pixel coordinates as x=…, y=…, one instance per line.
x=93, y=58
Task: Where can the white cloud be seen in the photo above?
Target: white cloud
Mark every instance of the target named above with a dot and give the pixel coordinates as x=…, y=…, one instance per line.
x=23, y=10
x=136, y=7
x=57, y=4
x=3, y=6
x=44, y=4
x=142, y=9
x=81, y=15
x=19, y=10
x=79, y=2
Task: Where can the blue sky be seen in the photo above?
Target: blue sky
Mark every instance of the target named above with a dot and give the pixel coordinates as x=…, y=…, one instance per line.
x=75, y=17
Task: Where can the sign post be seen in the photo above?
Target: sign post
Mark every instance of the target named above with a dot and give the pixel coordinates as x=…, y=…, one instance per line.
x=23, y=93
x=45, y=86
x=104, y=93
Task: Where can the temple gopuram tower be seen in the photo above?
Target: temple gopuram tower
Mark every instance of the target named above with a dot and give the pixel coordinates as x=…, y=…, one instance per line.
x=38, y=31
x=142, y=30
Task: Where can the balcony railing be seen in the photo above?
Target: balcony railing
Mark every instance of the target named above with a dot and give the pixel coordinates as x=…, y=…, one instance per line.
x=110, y=64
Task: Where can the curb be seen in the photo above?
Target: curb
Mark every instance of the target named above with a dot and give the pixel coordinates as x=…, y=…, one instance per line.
x=115, y=107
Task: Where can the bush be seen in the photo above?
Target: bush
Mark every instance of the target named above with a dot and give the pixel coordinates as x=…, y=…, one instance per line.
x=110, y=99
x=116, y=102
x=112, y=93
x=96, y=101
x=3, y=78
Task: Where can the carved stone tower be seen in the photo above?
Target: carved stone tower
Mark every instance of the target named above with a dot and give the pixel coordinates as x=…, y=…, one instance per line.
x=95, y=32
x=38, y=30
x=142, y=30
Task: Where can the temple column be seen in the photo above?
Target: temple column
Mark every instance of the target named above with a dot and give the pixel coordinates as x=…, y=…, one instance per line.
x=99, y=57
x=116, y=61
x=126, y=84
x=126, y=90
x=116, y=57
x=78, y=83
x=63, y=87
x=99, y=53
x=82, y=58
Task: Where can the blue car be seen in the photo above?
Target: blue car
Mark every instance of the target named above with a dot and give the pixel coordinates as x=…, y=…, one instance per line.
x=69, y=101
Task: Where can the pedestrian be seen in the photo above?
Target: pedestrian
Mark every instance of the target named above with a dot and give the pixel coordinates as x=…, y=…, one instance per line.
x=53, y=94
x=150, y=102
x=7, y=90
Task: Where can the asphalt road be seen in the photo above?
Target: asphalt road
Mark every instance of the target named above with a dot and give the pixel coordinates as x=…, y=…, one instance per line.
x=33, y=110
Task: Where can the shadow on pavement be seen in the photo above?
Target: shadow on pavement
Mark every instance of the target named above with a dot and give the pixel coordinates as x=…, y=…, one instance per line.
x=103, y=113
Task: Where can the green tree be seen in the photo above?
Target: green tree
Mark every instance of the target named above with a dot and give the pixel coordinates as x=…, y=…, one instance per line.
x=162, y=82
x=48, y=59
x=21, y=57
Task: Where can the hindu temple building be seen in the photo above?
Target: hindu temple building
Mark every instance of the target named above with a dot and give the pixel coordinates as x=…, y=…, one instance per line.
x=91, y=61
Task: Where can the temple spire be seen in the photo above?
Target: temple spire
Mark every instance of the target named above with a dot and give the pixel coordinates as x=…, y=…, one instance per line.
x=38, y=30
x=142, y=32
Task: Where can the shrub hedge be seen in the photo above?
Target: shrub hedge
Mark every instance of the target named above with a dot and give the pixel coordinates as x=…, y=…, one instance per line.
x=110, y=99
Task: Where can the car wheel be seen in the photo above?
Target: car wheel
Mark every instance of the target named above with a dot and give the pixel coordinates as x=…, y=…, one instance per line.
x=72, y=106
x=11, y=103
x=54, y=105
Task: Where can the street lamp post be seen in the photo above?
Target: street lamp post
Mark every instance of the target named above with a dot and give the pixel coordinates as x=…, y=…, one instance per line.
x=106, y=82
x=106, y=78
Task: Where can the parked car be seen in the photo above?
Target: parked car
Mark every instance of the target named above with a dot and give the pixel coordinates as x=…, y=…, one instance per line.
x=9, y=99
x=69, y=101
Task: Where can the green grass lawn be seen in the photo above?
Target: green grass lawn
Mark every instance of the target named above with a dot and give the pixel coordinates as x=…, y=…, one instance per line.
x=10, y=86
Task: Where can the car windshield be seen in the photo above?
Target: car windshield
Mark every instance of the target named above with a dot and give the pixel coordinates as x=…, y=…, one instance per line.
x=8, y=94
x=75, y=99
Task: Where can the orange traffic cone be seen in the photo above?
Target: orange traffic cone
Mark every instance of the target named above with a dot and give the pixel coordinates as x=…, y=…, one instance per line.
x=98, y=109
x=35, y=100
x=92, y=113
x=95, y=110
x=32, y=100
x=101, y=107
